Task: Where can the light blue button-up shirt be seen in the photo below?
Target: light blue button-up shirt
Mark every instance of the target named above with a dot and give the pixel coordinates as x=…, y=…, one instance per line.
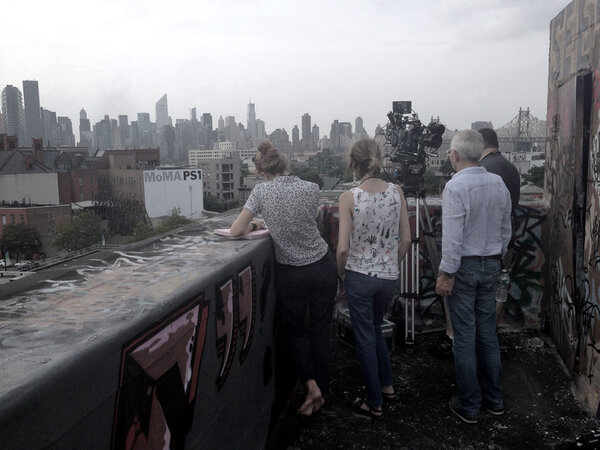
x=475, y=217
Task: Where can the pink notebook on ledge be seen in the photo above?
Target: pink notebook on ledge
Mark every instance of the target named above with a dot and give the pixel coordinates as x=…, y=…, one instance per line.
x=252, y=235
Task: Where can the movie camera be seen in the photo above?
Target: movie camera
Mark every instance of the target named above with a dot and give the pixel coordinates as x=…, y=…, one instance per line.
x=409, y=138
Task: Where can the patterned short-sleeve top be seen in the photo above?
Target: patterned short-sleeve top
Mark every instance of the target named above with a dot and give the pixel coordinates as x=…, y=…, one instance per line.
x=289, y=207
x=374, y=238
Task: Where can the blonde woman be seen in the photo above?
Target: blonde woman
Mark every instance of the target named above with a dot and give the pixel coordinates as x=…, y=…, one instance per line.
x=374, y=236
x=305, y=272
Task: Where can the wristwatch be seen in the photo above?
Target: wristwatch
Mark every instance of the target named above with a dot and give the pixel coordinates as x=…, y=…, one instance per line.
x=446, y=274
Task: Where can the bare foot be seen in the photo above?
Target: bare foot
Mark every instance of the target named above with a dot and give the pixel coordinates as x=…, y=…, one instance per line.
x=313, y=400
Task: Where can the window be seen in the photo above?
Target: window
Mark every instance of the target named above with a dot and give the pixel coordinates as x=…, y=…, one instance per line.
x=50, y=215
x=3, y=219
x=80, y=181
x=21, y=218
x=91, y=181
x=12, y=219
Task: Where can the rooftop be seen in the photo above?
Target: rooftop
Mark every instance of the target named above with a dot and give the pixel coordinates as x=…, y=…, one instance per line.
x=541, y=411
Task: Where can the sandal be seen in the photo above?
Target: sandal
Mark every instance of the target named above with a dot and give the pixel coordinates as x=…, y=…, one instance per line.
x=371, y=413
x=389, y=397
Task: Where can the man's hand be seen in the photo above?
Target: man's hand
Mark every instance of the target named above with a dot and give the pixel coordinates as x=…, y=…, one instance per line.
x=444, y=285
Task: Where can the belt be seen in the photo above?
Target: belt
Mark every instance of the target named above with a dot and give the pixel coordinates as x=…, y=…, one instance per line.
x=483, y=258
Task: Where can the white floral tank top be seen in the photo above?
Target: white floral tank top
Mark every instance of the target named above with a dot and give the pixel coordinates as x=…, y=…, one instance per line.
x=374, y=238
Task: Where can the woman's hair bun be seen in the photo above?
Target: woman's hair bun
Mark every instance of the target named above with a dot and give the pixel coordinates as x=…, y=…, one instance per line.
x=264, y=146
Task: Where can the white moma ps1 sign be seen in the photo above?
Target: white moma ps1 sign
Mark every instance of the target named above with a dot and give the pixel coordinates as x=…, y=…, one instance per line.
x=168, y=189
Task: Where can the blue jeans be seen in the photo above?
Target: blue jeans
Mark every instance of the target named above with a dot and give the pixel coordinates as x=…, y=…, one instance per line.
x=368, y=300
x=476, y=349
x=312, y=289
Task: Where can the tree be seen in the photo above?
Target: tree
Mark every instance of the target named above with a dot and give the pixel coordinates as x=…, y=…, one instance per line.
x=19, y=239
x=175, y=220
x=122, y=214
x=307, y=174
x=535, y=175
x=84, y=230
x=213, y=203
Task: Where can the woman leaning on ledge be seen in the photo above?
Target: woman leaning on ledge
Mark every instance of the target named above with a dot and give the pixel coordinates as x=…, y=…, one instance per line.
x=305, y=271
x=374, y=236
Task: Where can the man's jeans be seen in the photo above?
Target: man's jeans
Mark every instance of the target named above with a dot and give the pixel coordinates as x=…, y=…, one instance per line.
x=313, y=288
x=476, y=350
x=368, y=301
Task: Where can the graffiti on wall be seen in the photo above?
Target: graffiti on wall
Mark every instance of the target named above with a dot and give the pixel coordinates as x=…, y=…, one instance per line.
x=235, y=312
x=526, y=262
x=573, y=188
x=158, y=380
x=590, y=324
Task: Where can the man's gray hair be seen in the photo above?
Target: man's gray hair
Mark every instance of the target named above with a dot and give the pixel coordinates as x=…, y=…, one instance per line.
x=468, y=144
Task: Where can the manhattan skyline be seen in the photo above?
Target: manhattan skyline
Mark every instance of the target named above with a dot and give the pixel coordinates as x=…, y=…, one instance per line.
x=460, y=61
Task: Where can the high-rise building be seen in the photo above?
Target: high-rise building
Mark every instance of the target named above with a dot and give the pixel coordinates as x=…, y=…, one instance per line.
x=334, y=135
x=52, y=132
x=146, y=140
x=33, y=115
x=359, y=129
x=260, y=130
x=124, y=131
x=306, y=133
x=67, y=138
x=281, y=140
x=103, y=136
x=207, y=137
x=85, y=131
x=162, y=113
x=315, y=135
x=251, y=124
x=12, y=113
x=295, y=139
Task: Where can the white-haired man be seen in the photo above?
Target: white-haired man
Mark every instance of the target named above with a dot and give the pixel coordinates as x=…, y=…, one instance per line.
x=476, y=230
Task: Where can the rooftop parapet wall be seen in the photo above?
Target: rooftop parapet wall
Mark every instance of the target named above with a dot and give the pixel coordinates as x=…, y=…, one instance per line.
x=163, y=344
x=572, y=193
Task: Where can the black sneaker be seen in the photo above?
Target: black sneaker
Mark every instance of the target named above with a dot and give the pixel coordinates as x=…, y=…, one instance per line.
x=442, y=348
x=463, y=415
x=494, y=410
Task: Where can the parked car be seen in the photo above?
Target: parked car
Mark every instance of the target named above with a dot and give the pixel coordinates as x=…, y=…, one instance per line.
x=23, y=265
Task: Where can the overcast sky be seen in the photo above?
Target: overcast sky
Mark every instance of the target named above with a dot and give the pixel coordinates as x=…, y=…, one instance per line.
x=461, y=60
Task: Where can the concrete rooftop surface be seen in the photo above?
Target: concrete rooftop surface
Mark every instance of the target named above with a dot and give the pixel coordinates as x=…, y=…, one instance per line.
x=541, y=411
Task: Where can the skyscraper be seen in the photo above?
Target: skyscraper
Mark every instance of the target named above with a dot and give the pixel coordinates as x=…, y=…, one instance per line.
x=51, y=129
x=85, y=131
x=306, y=133
x=251, y=125
x=67, y=137
x=124, y=131
x=295, y=139
x=12, y=113
x=260, y=130
x=359, y=130
x=162, y=113
x=33, y=116
x=315, y=135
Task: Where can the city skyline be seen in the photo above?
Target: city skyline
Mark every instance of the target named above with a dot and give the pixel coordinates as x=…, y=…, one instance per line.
x=461, y=61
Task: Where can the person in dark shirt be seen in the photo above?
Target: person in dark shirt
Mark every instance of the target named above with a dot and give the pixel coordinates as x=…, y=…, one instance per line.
x=494, y=162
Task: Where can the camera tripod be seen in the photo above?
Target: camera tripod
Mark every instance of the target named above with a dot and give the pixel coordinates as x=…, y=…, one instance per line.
x=409, y=283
